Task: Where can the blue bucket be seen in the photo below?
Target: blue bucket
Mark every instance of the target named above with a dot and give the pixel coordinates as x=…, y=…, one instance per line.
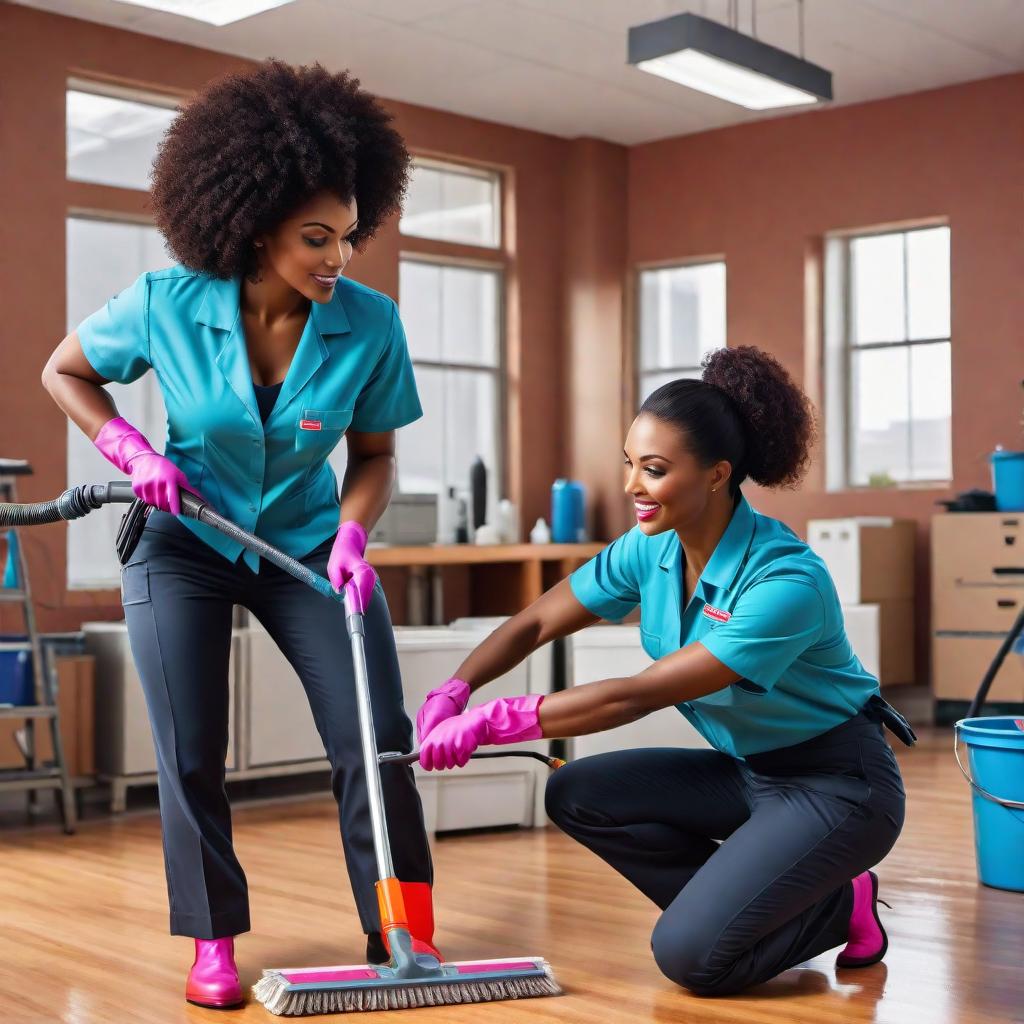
x=1008, y=480
x=995, y=749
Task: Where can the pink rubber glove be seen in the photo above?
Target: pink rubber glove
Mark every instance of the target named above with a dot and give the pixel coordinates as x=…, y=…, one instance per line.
x=347, y=563
x=444, y=701
x=155, y=479
x=505, y=720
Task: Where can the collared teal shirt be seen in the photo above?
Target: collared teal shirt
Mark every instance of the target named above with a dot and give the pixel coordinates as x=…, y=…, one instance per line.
x=351, y=369
x=765, y=606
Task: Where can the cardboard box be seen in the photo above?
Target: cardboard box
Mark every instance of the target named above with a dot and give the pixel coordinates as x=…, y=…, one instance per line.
x=978, y=548
x=76, y=687
x=870, y=559
x=882, y=637
x=960, y=662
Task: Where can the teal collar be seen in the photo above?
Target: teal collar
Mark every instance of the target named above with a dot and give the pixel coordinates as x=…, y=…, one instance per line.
x=222, y=303
x=220, y=310
x=729, y=555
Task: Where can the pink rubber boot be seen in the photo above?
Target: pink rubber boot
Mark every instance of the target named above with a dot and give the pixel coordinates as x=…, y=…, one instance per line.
x=866, y=939
x=213, y=980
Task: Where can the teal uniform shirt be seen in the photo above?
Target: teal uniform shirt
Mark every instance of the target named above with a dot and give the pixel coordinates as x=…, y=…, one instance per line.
x=765, y=606
x=351, y=369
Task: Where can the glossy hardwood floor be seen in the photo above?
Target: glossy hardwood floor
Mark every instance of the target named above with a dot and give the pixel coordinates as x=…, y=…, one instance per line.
x=83, y=924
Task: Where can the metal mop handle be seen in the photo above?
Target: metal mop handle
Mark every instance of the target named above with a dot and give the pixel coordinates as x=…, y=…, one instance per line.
x=356, y=631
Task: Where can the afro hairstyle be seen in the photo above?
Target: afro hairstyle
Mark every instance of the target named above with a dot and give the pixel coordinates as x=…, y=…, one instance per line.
x=252, y=147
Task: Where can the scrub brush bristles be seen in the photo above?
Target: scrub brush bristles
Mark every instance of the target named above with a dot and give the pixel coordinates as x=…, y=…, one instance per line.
x=283, y=998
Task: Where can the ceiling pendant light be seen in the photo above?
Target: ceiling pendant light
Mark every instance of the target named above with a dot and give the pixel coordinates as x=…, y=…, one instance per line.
x=213, y=12
x=724, y=62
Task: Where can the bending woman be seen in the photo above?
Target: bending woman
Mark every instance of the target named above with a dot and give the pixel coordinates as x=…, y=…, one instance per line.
x=758, y=850
x=266, y=356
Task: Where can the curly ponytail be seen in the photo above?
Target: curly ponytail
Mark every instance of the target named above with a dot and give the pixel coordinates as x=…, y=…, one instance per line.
x=745, y=410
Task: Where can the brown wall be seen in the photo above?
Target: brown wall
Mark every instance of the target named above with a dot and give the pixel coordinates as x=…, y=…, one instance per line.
x=37, y=52
x=584, y=214
x=764, y=194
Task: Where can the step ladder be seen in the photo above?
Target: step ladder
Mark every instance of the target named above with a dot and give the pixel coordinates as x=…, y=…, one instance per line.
x=34, y=776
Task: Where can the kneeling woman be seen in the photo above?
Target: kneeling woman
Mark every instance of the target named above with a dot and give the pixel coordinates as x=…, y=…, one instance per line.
x=757, y=850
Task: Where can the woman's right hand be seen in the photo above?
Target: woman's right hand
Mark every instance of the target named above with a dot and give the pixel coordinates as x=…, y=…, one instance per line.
x=157, y=480
x=445, y=701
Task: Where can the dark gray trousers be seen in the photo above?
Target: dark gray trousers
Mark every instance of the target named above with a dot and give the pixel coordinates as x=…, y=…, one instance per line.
x=750, y=861
x=178, y=595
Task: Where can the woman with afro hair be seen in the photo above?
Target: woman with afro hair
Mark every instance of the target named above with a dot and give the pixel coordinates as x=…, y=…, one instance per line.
x=266, y=356
x=757, y=850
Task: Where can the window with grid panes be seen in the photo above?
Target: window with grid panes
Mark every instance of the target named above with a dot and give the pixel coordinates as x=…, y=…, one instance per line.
x=681, y=318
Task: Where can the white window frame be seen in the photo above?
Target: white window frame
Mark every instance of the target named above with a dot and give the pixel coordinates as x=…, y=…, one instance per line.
x=499, y=371
x=639, y=370
x=166, y=101
x=491, y=175
x=839, y=349
x=149, y=416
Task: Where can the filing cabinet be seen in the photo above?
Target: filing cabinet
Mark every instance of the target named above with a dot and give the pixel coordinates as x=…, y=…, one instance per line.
x=977, y=593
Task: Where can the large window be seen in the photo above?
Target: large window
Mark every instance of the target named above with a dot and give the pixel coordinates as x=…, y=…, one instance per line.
x=888, y=359
x=453, y=311
x=111, y=139
x=450, y=203
x=681, y=318
x=103, y=258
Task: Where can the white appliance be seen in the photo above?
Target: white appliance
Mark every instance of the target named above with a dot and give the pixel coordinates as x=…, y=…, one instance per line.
x=609, y=652
x=486, y=793
x=124, y=740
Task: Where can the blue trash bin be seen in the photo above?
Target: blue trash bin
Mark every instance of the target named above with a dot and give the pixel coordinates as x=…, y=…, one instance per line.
x=16, y=685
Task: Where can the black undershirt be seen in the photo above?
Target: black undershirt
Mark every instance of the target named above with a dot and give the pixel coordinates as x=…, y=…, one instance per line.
x=266, y=396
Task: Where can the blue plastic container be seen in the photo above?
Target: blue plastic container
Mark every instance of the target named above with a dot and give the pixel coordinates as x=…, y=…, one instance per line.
x=996, y=764
x=16, y=674
x=567, y=513
x=1008, y=480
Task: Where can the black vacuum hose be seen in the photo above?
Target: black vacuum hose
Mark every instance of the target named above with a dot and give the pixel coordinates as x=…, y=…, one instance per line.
x=74, y=503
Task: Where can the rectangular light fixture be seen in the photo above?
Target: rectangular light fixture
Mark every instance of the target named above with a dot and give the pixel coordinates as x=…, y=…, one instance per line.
x=213, y=12
x=718, y=60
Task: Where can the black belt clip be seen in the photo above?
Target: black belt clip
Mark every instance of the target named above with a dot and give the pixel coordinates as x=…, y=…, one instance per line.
x=880, y=710
x=133, y=522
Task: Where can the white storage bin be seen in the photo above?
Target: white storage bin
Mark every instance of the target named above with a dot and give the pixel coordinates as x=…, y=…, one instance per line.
x=609, y=652
x=124, y=737
x=487, y=793
x=862, y=629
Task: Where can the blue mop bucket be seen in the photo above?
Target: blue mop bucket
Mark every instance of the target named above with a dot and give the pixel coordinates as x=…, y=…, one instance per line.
x=995, y=770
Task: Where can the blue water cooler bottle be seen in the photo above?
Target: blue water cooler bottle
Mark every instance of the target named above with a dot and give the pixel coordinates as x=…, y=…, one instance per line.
x=568, y=525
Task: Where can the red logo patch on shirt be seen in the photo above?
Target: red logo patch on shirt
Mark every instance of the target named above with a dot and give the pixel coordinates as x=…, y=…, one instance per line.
x=716, y=614
x=310, y=425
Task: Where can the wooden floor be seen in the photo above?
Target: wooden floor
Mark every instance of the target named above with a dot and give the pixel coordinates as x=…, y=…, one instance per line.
x=83, y=924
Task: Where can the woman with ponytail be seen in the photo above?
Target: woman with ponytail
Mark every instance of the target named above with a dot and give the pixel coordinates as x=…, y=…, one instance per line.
x=758, y=850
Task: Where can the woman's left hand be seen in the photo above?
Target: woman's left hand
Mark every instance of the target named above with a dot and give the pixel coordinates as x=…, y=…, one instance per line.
x=505, y=720
x=347, y=562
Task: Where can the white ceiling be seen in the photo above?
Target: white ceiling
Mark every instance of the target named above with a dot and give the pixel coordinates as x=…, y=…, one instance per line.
x=559, y=66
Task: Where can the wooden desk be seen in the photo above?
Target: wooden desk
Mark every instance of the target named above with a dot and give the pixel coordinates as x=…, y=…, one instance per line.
x=504, y=578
